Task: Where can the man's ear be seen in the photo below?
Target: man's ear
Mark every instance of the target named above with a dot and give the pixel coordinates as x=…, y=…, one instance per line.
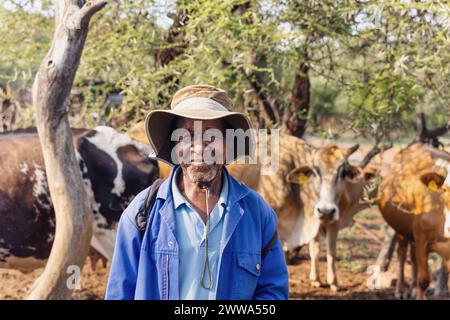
x=432, y=180
x=299, y=175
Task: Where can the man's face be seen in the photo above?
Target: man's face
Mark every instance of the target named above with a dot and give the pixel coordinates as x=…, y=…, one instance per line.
x=201, y=149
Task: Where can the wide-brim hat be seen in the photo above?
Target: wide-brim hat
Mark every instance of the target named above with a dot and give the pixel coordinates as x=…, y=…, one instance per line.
x=197, y=102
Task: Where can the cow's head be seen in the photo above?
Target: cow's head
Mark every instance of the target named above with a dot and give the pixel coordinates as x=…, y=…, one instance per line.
x=115, y=168
x=333, y=181
x=436, y=182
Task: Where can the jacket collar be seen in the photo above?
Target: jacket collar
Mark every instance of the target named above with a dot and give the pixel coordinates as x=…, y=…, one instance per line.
x=179, y=199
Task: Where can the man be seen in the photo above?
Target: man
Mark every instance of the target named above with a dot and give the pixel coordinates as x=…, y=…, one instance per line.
x=207, y=236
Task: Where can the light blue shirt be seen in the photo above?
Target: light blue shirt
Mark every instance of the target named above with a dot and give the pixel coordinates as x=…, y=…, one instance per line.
x=190, y=234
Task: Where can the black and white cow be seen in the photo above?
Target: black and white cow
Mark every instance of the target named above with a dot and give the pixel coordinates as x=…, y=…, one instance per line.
x=114, y=168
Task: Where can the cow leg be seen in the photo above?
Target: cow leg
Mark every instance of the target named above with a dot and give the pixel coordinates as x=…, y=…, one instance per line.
x=414, y=270
x=387, y=250
x=332, y=231
x=442, y=281
x=314, y=251
x=423, y=273
x=402, y=250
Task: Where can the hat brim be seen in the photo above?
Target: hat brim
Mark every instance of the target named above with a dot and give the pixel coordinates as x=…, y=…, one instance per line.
x=159, y=125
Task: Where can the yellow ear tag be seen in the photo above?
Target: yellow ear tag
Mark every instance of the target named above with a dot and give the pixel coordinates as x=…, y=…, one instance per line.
x=432, y=185
x=302, y=178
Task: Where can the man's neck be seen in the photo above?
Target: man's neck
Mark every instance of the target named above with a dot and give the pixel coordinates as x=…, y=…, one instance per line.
x=196, y=195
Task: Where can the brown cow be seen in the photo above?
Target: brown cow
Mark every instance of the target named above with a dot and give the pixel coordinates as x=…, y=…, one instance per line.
x=414, y=199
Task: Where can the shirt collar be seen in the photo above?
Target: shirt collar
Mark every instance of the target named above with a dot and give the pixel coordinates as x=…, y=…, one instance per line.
x=179, y=199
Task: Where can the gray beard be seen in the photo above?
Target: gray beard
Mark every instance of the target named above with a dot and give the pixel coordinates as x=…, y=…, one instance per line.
x=202, y=179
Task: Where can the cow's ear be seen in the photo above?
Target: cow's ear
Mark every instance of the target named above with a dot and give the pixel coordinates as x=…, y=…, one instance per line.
x=432, y=180
x=80, y=134
x=369, y=173
x=299, y=175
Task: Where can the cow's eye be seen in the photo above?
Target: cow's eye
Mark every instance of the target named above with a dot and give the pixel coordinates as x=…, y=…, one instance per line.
x=347, y=172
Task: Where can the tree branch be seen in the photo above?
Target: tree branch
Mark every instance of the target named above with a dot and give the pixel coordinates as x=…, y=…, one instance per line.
x=79, y=17
x=255, y=82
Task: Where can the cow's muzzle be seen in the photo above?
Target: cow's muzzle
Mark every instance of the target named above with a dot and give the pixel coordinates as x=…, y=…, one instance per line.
x=327, y=212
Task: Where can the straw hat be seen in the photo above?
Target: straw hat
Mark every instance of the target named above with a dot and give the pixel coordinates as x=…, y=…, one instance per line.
x=198, y=102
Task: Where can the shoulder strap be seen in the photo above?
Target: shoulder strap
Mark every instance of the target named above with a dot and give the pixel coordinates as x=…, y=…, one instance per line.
x=269, y=245
x=143, y=214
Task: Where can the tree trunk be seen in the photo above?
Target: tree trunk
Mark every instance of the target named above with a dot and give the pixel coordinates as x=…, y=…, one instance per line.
x=51, y=91
x=295, y=117
x=265, y=105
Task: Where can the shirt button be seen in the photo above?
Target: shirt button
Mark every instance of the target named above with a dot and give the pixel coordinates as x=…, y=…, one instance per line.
x=258, y=266
x=170, y=243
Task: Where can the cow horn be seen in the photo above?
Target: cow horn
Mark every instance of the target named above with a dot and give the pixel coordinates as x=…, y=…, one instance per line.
x=352, y=150
x=439, y=154
x=442, y=160
x=373, y=152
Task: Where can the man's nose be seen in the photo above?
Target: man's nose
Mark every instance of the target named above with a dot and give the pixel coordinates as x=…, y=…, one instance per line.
x=197, y=149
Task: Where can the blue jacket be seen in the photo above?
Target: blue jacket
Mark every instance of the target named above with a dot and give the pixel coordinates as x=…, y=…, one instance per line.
x=148, y=268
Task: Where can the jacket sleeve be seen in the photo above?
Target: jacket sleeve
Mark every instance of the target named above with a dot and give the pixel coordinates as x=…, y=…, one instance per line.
x=273, y=282
x=124, y=266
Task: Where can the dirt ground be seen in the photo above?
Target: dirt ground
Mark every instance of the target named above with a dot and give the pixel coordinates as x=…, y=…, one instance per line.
x=356, y=251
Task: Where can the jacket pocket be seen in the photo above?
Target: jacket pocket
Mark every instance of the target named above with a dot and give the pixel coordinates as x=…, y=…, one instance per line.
x=248, y=272
x=250, y=263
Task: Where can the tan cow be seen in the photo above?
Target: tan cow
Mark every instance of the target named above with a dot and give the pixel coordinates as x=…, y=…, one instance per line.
x=330, y=192
x=315, y=192
x=414, y=199
x=280, y=195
